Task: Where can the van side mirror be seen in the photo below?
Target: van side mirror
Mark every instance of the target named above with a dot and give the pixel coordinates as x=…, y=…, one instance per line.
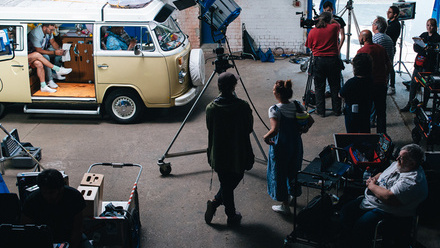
x=137, y=49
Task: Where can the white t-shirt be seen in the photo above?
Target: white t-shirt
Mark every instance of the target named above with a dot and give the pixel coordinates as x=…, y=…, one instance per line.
x=287, y=109
x=411, y=188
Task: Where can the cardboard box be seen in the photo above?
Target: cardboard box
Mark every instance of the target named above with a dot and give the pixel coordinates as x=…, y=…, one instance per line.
x=90, y=194
x=96, y=180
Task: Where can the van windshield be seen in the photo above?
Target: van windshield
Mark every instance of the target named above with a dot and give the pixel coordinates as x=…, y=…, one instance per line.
x=169, y=35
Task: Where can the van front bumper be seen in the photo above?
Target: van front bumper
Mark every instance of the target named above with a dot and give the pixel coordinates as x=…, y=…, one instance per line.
x=186, y=98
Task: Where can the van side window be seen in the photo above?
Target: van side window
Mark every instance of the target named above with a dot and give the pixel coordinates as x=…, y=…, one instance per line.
x=146, y=41
x=15, y=34
x=125, y=38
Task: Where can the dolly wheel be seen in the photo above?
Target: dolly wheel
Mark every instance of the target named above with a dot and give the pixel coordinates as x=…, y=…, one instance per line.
x=416, y=136
x=165, y=170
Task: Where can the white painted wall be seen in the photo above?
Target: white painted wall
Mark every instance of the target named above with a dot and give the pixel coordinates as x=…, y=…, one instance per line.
x=274, y=23
x=271, y=23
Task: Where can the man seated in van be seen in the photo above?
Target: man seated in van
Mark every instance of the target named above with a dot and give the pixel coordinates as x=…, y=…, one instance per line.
x=118, y=39
x=41, y=40
x=37, y=61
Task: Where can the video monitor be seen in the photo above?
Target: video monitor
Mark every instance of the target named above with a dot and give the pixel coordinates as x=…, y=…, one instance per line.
x=407, y=10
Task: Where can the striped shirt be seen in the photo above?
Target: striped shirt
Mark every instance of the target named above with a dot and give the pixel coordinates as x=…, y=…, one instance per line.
x=385, y=41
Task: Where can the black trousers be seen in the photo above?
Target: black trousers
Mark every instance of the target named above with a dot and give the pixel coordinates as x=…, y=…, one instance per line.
x=327, y=68
x=225, y=195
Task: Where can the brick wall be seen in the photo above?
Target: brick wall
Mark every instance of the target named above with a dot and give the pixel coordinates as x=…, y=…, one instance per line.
x=270, y=23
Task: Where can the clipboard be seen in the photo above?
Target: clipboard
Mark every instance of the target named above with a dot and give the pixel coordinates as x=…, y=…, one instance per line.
x=419, y=42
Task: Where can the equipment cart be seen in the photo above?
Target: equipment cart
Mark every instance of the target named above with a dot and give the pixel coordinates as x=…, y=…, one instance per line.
x=119, y=224
x=427, y=118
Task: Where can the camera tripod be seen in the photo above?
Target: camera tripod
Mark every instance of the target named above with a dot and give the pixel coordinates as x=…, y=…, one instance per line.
x=400, y=62
x=308, y=94
x=221, y=65
x=351, y=14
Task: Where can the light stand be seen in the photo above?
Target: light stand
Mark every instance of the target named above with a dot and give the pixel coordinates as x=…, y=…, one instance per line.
x=221, y=65
x=351, y=14
x=400, y=62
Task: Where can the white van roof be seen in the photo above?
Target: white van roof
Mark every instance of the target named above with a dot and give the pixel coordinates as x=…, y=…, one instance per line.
x=76, y=11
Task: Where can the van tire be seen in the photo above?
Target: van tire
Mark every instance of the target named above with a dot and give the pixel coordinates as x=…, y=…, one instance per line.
x=124, y=106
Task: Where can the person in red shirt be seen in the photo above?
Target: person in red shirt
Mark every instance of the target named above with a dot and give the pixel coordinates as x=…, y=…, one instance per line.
x=323, y=41
x=381, y=70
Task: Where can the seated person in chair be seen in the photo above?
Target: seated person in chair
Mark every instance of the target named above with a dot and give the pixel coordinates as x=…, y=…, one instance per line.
x=58, y=206
x=118, y=39
x=393, y=195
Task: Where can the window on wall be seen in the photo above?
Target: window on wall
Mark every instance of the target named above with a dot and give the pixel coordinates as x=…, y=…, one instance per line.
x=15, y=34
x=125, y=38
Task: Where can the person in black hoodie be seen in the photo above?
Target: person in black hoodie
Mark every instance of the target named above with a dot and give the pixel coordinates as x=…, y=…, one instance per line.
x=431, y=38
x=229, y=121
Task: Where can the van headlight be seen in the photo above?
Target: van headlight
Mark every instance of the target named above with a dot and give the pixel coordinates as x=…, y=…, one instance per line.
x=182, y=75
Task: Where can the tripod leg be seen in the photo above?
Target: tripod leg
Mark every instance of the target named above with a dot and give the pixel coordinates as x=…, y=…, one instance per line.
x=161, y=162
x=260, y=147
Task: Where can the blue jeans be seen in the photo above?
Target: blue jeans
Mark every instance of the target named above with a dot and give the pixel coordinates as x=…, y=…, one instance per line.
x=358, y=227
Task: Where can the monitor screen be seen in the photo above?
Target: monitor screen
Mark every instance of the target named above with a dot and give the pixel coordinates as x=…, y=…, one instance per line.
x=407, y=10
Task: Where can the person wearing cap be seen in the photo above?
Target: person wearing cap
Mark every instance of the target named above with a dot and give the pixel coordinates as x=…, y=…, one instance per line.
x=229, y=121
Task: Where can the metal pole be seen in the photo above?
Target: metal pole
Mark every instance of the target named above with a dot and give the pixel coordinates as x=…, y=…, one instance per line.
x=186, y=118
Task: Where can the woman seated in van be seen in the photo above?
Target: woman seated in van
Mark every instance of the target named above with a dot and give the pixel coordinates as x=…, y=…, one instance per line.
x=118, y=39
x=36, y=60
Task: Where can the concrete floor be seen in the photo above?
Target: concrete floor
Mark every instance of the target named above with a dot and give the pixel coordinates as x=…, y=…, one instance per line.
x=172, y=207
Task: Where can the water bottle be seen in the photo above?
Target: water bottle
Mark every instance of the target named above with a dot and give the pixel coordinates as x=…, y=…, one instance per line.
x=367, y=174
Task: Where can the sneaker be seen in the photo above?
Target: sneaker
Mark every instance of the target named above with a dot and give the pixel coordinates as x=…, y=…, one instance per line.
x=282, y=209
x=48, y=89
x=52, y=84
x=58, y=77
x=210, y=211
x=391, y=91
x=64, y=71
x=235, y=220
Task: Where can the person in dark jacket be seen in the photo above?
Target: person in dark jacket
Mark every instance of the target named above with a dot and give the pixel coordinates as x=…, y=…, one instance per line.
x=393, y=31
x=431, y=38
x=58, y=206
x=229, y=121
x=357, y=95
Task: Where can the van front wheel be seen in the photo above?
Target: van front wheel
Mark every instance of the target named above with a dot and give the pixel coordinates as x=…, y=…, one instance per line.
x=124, y=106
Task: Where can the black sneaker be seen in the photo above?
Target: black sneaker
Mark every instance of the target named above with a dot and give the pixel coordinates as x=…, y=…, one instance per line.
x=210, y=211
x=235, y=220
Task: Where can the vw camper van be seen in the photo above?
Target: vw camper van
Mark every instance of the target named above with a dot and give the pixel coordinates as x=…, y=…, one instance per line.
x=161, y=71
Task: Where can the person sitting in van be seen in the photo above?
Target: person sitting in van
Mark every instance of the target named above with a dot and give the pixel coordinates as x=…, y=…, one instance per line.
x=36, y=60
x=118, y=39
x=41, y=40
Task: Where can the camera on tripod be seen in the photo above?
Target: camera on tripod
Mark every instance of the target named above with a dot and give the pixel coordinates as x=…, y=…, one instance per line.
x=308, y=23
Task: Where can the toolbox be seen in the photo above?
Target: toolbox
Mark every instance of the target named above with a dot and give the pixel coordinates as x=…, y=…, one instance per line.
x=15, y=156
